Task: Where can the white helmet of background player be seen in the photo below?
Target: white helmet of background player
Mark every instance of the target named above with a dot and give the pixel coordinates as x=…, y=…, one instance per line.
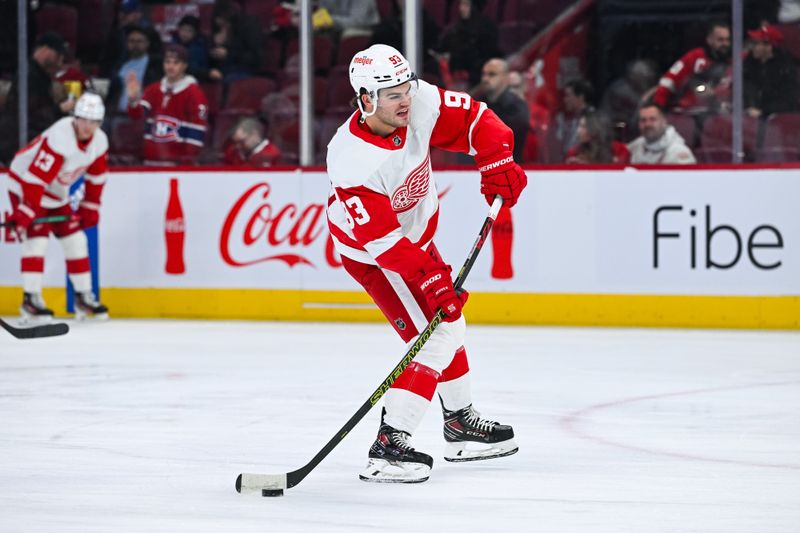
x=379, y=67
x=90, y=106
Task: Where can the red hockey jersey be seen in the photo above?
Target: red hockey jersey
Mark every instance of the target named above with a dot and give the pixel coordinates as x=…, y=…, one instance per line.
x=177, y=120
x=713, y=77
x=383, y=206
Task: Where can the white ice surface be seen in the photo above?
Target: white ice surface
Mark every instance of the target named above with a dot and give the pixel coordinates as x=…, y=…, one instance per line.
x=142, y=427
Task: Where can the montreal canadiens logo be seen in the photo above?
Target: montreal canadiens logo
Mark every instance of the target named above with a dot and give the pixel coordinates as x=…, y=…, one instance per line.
x=165, y=129
x=414, y=188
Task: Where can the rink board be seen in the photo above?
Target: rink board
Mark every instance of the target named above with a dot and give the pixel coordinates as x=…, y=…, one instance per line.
x=699, y=247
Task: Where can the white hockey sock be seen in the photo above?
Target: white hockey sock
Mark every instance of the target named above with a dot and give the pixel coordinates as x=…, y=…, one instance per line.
x=456, y=394
x=404, y=409
x=76, y=252
x=33, y=252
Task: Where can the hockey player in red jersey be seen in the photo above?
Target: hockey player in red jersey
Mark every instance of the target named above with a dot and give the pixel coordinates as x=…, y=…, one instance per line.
x=176, y=110
x=382, y=214
x=41, y=175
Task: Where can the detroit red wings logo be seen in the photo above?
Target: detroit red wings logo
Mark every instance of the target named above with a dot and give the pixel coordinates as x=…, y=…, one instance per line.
x=414, y=188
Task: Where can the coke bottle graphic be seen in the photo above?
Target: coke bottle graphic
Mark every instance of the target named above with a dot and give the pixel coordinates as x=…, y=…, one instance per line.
x=174, y=231
x=502, y=239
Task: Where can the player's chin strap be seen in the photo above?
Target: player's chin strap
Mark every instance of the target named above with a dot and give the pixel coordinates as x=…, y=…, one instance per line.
x=364, y=113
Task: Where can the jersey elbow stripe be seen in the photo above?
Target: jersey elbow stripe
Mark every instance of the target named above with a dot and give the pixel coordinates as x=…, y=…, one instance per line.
x=667, y=83
x=377, y=247
x=481, y=109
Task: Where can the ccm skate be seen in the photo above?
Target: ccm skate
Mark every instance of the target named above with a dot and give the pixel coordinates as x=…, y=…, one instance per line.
x=393, y=460
x=33, y=309
x=87, y=307
x=471, y=437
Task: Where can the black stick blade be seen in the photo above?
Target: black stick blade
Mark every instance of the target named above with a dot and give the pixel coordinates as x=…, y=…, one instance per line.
x=36, y=332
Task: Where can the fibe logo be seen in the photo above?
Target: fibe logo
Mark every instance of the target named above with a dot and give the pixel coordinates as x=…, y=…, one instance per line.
x=670, y=223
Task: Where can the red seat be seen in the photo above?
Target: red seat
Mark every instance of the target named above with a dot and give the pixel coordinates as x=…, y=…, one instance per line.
x=714, y=155
x=718, y=133
x=781, y=138
x=685, y=125
x=213, y=92
x=248, y=93
x=62, y=20
x=791, y=38
x=323, y=52
x=224, y=121
x=783, y=129
x=348, y=47
x=126, y=141
x=261, y=10
x=340, y=92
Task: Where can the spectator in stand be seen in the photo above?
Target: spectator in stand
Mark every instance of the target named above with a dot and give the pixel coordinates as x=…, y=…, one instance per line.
x=389, y=31
x=47, y=99
x=130, y=15
x=189, y=36
x=146, y=67
x=595, y=143
x=511, y=109
x=516, y=83
x=770, y=75
x=347, y=17
x=623, y=97
x=660, y=143
x=577, y=102
x=249, y=147
x=235, y=45
x=176, y=109
x=699, y=82
x=469, y=42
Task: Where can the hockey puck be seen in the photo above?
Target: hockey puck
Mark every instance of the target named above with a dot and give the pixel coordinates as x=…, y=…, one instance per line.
x=272, y=492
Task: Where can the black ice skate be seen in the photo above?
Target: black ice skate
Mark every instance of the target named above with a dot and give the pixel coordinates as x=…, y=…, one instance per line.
x=393, y=460
x=33, y=308
x=466, y=426
x=86, y=306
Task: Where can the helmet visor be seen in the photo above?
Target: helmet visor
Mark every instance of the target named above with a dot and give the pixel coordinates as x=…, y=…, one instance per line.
x=398, y=93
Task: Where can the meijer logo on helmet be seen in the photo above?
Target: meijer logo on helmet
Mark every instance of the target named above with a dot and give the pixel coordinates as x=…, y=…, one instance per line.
x=363, y=60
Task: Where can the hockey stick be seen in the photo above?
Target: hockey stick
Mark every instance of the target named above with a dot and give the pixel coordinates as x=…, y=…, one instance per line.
x=36, y=332
x=43, y=220
x=276, y=483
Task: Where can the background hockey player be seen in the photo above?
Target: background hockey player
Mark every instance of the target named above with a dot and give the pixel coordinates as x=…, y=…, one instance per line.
x=41, y=175
x=176, y=109
x=383, y=212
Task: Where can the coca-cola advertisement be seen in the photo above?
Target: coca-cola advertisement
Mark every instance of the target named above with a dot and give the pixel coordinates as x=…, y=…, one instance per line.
x=174, y=231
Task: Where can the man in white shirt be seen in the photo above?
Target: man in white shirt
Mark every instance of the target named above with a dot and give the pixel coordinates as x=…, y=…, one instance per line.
x=660, y=143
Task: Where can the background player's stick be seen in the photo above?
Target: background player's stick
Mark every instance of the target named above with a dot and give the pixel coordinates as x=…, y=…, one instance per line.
x=274, y=484
x=36, y=332
x=44, y=220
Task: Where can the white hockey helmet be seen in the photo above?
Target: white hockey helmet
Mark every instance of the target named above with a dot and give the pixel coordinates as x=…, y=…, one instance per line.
x=90, y=106
x=378, y=67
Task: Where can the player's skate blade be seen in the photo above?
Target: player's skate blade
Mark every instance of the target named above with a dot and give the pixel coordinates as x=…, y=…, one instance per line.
x=383, y=471
x=457, y=452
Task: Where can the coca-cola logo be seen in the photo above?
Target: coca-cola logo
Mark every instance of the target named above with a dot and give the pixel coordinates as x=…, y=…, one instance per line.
x=174, y=225
x=254, y=224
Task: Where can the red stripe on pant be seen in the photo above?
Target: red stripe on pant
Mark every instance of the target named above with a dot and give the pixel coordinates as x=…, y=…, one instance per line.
x=419, y=379
x=78, y=266
x=457, y=368
x=33, y=264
